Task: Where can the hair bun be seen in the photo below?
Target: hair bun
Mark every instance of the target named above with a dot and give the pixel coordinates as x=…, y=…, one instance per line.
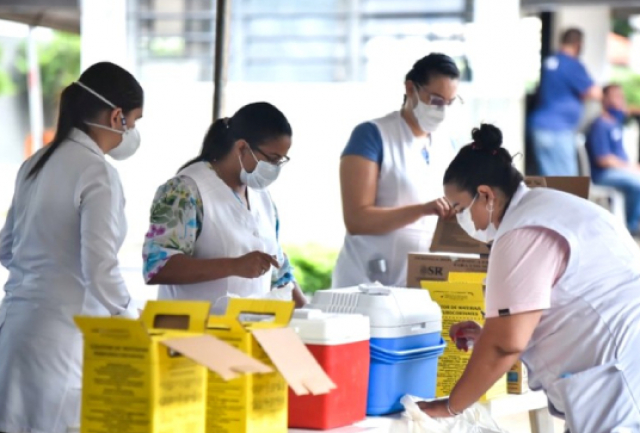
x=487, y=137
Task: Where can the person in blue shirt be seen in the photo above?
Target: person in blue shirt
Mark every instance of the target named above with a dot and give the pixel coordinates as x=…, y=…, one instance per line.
x=565, y=84
x=610, y=164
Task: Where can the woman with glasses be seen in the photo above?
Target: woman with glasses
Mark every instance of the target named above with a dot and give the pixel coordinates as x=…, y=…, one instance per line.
x=391, y=178
x=214, y=228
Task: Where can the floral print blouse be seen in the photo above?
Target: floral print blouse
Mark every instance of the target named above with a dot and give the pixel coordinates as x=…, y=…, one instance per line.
x=175, y=224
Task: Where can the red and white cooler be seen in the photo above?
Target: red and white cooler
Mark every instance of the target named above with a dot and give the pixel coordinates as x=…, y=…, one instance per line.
x=340, y=344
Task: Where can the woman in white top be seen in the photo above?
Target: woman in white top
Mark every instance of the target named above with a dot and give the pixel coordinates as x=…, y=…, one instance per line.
x=563, y=294
x=391, y=179
x=214, y=228
x=60, y=243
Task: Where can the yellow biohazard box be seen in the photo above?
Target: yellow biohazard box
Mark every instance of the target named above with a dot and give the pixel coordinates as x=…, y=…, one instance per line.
x=258, y=403
x=150, y=375
x=461, y=298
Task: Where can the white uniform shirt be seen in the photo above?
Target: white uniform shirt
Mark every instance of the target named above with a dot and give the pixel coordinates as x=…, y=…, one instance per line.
x=60, y=244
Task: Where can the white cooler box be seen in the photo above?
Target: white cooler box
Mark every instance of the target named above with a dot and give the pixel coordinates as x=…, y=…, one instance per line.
x=406, y=342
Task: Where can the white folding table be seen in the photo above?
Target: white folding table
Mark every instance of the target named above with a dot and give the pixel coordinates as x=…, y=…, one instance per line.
x=533, y=402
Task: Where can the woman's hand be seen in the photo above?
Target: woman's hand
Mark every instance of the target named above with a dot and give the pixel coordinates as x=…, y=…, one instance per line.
x=436, y=408
x=254, y=264
x=439, y=207
x=465, y=334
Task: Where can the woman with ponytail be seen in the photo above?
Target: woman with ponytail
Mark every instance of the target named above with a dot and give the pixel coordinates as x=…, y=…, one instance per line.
x=60, y=243
x=214, y=228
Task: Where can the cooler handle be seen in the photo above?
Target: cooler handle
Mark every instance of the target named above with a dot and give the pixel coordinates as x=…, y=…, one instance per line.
x=374, y=289
x=418, y=351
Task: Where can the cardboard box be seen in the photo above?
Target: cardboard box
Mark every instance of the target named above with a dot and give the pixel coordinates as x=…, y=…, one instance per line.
x=576, y=185
x=517, y=379
x=461, y=298
x=150, y=375
x=426, y=267
x=259, y=403
x=450, y=238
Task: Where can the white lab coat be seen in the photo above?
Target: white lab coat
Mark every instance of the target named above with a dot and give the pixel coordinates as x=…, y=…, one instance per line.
x=585, y=351
x=405, y=179
x=59, y=243
x=229, y=229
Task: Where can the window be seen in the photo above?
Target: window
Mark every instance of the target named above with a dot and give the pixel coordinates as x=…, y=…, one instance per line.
x=305, y=40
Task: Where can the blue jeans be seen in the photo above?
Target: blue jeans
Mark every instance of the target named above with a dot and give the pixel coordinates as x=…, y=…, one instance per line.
x=555, y=152
x=628, y=182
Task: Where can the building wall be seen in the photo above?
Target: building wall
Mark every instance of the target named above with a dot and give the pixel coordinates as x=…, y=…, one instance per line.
x=15, y=118
x=595, y=22
x=178, y=110
x=284, y=41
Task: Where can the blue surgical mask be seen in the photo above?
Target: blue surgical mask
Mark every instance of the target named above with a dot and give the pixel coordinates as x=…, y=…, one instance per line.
x=619, y=115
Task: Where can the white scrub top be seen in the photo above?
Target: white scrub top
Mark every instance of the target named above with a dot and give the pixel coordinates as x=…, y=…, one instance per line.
x=60, y=244
x=405, y=178
x=229, y=229
x=585, y=352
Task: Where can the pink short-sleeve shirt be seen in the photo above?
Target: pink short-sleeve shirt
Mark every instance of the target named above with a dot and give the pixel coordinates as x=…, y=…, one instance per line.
x=524, y=266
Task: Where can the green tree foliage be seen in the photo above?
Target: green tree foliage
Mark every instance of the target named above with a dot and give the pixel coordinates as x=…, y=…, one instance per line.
x=622, y=27
x=59, y=61
x=313, y=266
x=630, y=83
x=6, y=83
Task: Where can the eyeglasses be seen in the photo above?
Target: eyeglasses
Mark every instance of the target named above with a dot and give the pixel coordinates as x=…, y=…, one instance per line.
x=278, y=161
x=439, y=101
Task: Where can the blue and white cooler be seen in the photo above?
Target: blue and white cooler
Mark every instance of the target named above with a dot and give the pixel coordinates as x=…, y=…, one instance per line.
x=406, y=341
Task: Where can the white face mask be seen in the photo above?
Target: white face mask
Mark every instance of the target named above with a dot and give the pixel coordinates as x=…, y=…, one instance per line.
x=429, y=117
x=466, y=222
x=130, y=136
x=262, y=176
x=128, y=146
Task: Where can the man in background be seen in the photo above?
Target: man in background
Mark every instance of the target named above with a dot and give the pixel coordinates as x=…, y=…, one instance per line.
x=610, y=164
x=565, y=84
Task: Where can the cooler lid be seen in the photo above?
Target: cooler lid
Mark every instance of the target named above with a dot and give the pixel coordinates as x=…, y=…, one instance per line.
x=317, y=327
x=386, y=307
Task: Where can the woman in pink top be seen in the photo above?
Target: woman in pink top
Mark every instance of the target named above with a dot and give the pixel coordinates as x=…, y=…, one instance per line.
x=563, y=294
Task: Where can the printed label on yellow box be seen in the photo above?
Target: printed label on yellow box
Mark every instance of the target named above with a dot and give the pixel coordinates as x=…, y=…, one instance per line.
x=461, y=299
x=134, y=379
x=258, y=403
x=132, y=385
x=255, y=402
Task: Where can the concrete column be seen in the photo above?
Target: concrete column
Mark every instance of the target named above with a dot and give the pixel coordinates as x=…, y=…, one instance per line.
x=496, y=94
x=595, y=22
x=494, y=47
x=103, y=27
